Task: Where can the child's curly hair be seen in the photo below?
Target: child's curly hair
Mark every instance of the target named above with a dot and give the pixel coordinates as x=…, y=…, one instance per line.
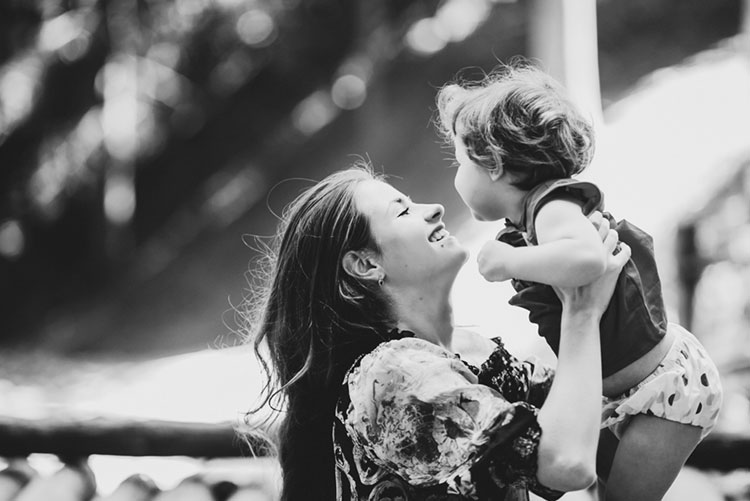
x=518, y=117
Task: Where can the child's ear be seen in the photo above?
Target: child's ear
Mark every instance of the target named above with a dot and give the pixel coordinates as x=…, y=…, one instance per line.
x=361, y=264
x=495, y=172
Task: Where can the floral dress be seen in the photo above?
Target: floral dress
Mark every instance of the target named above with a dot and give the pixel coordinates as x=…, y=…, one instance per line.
x=416, y=423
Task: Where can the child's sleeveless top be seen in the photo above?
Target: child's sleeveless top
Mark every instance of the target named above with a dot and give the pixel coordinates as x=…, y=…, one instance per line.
x=635, y=320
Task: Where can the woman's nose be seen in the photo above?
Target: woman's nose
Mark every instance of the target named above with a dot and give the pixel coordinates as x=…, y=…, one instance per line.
x=434, y=212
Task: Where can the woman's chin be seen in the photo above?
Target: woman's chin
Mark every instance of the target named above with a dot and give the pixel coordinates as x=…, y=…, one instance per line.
x=452, y=245
x=465, y=254
x=448, y=258
x=461, y=253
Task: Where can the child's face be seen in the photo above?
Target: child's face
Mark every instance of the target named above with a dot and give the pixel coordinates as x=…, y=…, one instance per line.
x=481, y=189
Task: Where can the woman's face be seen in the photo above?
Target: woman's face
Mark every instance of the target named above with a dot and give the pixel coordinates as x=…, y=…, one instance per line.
x=415, y=247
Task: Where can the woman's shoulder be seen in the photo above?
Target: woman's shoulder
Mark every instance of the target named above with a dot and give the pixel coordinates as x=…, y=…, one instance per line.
x=397, y=356
x=473, y=347
x=406, y=344
x=396, y=360
x=389, y=355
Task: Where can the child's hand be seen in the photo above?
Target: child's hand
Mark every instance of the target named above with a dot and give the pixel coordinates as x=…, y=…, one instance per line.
x=493, y=260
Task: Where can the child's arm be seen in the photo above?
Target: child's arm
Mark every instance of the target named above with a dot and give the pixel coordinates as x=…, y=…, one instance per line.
x=569, y=254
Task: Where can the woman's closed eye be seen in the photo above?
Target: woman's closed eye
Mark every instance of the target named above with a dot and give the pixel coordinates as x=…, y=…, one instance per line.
x=405, y=202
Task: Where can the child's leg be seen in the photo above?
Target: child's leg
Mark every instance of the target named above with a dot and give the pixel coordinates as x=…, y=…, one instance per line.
x=649, y=456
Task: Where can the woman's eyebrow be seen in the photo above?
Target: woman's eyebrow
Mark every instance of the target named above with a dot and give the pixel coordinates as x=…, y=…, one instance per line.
x=405, y=200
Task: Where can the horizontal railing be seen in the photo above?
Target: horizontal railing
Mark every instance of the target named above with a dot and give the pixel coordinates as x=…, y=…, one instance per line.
x=80, y=438
x=69, y=438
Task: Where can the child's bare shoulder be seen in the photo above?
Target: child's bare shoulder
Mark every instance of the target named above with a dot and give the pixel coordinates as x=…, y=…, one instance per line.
x=566, y=196
x=558, y=210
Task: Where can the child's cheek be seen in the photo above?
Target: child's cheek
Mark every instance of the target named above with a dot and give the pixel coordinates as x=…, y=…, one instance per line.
x=463, y=188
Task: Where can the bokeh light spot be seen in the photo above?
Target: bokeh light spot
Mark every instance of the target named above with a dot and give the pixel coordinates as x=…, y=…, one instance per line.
x=121, y=107
x=75, y=49
x=425, y=37
x=314, y=113
x=231, y=73
x=12, y=240
x=349, y=92
x=60, y=31
x=19, y=88
x=256, y=27
x=119, y=199
x=458, y=19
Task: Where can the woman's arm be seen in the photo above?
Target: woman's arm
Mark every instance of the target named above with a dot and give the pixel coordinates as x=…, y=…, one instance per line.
x=571, y=415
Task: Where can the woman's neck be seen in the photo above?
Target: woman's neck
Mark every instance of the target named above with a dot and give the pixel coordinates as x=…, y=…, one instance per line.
x=428, y=316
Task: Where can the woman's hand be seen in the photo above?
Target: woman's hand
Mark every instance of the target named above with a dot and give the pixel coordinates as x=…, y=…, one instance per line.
x=594, y=297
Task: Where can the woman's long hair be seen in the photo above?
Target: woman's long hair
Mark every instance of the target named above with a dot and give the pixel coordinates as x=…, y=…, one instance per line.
x=309, y=322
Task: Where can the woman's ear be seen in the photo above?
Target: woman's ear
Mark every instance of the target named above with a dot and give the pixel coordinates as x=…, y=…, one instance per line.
x=360, y=264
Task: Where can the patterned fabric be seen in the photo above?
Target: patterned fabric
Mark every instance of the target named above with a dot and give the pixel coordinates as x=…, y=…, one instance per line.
x=685, y=388
x=416, y=423
x=516, y=381
x=635, y=320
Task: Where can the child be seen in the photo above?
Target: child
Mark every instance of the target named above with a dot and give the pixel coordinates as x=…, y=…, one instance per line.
x=518, y=143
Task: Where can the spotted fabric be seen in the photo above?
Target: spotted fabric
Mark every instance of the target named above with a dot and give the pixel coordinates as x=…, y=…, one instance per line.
x=416, y=423
x=684, y=388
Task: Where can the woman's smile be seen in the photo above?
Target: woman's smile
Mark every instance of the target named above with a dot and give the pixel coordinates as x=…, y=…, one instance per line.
x=439, y=234
x=415, y=245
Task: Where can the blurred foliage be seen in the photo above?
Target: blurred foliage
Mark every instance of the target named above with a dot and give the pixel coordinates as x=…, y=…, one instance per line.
x=719, y=272
x=128, y=126
x=115, y=113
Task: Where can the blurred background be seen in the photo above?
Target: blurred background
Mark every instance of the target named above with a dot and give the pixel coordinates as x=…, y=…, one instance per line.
x=144, y=144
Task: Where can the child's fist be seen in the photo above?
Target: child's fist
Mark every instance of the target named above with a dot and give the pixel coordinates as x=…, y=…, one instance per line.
x=493, y=259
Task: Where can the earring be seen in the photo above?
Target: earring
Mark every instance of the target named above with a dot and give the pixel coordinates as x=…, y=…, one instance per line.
x=380, y=281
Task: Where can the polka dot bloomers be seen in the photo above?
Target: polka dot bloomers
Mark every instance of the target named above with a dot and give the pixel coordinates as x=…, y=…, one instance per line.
x=685, y=388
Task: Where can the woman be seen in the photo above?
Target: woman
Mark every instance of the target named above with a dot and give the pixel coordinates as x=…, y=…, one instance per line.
x=358, y=264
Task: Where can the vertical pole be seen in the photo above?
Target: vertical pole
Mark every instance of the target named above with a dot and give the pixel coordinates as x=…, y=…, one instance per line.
x=745, y=27
x=562, y=37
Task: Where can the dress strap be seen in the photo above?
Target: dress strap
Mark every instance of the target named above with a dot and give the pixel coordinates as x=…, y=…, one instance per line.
x=587, y=193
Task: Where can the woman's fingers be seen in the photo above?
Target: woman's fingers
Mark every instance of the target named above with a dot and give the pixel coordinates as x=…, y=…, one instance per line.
x=596, y=218
x=610, y=241
x=599, y=292
x=618, y=260
x=600, y=223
